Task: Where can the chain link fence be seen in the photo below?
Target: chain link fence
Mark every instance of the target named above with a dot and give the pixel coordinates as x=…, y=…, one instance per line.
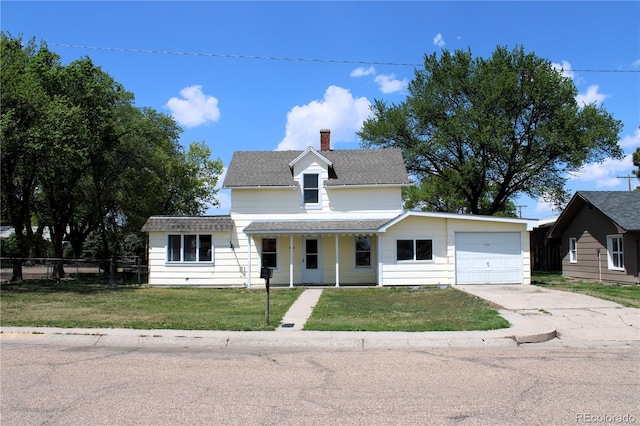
x=128, y=271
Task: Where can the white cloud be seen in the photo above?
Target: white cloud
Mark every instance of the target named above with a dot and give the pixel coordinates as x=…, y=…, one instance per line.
x=636, y=63
x=591, y=96
x=603, y=175
x=361, y=71
x=389, y=83
x=339, y=111
x=545, y=208
x=438, y=40
x=565, y=69
x=631, y=142
x=195, y=108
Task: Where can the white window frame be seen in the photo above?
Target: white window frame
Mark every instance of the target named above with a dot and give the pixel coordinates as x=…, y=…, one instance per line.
x=615, y=258
x=198, y=238
x=414, y=248
x=356, y=251
x=318, y=203
x=573, y=250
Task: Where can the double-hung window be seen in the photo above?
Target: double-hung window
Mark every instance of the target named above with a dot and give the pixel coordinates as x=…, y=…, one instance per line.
x=363, y=252
x=573, y=250
x=310, y=188
x=414, y=249
x=615, y=252
x=269, y=253
x=190, y=248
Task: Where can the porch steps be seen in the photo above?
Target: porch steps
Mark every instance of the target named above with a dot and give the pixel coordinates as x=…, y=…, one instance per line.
x=300, y=311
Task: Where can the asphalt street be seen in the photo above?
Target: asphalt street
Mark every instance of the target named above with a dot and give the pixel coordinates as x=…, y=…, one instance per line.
x=533, y=384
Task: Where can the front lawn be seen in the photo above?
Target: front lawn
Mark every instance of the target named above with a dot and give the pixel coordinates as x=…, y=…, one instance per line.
x=71, y=305
x=100, y=306
x=403, y=309
x=624, y=294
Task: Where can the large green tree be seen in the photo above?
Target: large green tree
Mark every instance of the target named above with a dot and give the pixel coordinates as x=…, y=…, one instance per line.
x=23, y=105
x=81, y=158
x=476, y=133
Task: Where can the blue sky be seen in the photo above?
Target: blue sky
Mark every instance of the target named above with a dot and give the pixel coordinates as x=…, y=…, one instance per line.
x=269, y=75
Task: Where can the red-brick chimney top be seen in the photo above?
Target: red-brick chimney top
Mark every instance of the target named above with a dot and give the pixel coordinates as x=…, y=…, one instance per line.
x=325, y=140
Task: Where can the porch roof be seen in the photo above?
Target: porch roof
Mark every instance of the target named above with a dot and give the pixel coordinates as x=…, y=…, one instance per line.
x=316, y=226
x=188, y=223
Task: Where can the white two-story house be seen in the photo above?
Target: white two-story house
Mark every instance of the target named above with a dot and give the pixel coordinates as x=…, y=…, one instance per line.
x=332, y=217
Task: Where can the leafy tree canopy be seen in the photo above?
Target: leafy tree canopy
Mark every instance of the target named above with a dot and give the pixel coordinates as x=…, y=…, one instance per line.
x=476, y=133
x=81, y=158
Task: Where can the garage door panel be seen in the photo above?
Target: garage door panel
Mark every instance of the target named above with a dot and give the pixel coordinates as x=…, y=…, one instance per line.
x=488, y=258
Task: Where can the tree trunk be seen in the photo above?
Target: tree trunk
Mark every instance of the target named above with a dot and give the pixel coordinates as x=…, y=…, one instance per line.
x=57, y=236
x=17, y=270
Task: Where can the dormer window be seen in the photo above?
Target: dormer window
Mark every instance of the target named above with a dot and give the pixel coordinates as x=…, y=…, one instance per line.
x=310, y=188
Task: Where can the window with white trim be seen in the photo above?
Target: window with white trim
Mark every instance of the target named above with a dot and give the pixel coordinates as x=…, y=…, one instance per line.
x=311, y=188
x=269, y=253
x=363, y=252
x=573, y=250
x=414, y=249
x=190, y=248
x=615, y=252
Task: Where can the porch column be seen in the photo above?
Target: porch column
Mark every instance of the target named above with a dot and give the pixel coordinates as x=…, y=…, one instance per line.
x=248, y=261
x=379, y=253
x=337, y=261
x=291, y=260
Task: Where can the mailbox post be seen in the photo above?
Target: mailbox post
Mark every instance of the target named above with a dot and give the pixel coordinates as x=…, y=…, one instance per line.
x=266, y=274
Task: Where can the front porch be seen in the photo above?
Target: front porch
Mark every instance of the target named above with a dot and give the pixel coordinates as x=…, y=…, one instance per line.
x=315, y=253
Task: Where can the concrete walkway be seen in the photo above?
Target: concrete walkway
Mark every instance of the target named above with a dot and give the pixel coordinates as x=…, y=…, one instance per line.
x=301, y=310
x=536, y=315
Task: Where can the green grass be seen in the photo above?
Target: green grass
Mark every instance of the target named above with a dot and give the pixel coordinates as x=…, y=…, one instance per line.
x=624, y=294
x=101, y=306
x=402, y=309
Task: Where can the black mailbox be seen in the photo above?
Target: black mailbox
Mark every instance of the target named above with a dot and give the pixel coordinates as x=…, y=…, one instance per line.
x=266, y=273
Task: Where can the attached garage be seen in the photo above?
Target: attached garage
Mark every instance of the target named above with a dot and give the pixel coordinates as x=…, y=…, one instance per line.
x=488, y=258
x=463, y=249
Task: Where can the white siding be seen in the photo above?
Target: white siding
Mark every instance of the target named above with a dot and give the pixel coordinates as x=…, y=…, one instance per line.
x=288, y=201
x=442, y=270
x=436, y=271
x=225, y=271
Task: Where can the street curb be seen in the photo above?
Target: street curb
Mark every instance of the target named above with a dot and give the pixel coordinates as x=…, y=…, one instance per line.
x=537, y=337
x=275, y=340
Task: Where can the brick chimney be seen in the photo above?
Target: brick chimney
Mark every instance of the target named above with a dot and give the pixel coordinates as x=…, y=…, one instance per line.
x=325, y=140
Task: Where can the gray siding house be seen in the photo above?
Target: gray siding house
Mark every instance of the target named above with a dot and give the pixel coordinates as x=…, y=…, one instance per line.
x=600, y=236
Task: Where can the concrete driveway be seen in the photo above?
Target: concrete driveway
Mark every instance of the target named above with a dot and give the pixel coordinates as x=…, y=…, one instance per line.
x=578, y=319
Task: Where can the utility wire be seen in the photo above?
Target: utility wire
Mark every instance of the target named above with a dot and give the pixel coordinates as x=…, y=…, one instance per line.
x=278, y=58
x=224, y=55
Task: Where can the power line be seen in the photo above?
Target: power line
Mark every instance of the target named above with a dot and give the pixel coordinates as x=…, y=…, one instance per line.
x=278, y=58
x=225, y=55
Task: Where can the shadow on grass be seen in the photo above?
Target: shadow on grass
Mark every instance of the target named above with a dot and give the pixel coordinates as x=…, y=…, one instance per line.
x=90, y=284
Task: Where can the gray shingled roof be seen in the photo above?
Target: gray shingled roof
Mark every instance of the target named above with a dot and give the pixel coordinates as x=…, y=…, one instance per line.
x=351, y=167
x=622, y=207
x=188, y=223
x=320, y=226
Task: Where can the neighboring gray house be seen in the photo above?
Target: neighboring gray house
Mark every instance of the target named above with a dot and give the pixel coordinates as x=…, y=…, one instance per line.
x=600, y=235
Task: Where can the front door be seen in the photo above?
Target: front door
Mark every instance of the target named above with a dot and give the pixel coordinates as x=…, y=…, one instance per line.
x=312, y=261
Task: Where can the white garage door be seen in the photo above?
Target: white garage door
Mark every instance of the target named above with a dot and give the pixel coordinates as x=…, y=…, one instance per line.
x=488, y=258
